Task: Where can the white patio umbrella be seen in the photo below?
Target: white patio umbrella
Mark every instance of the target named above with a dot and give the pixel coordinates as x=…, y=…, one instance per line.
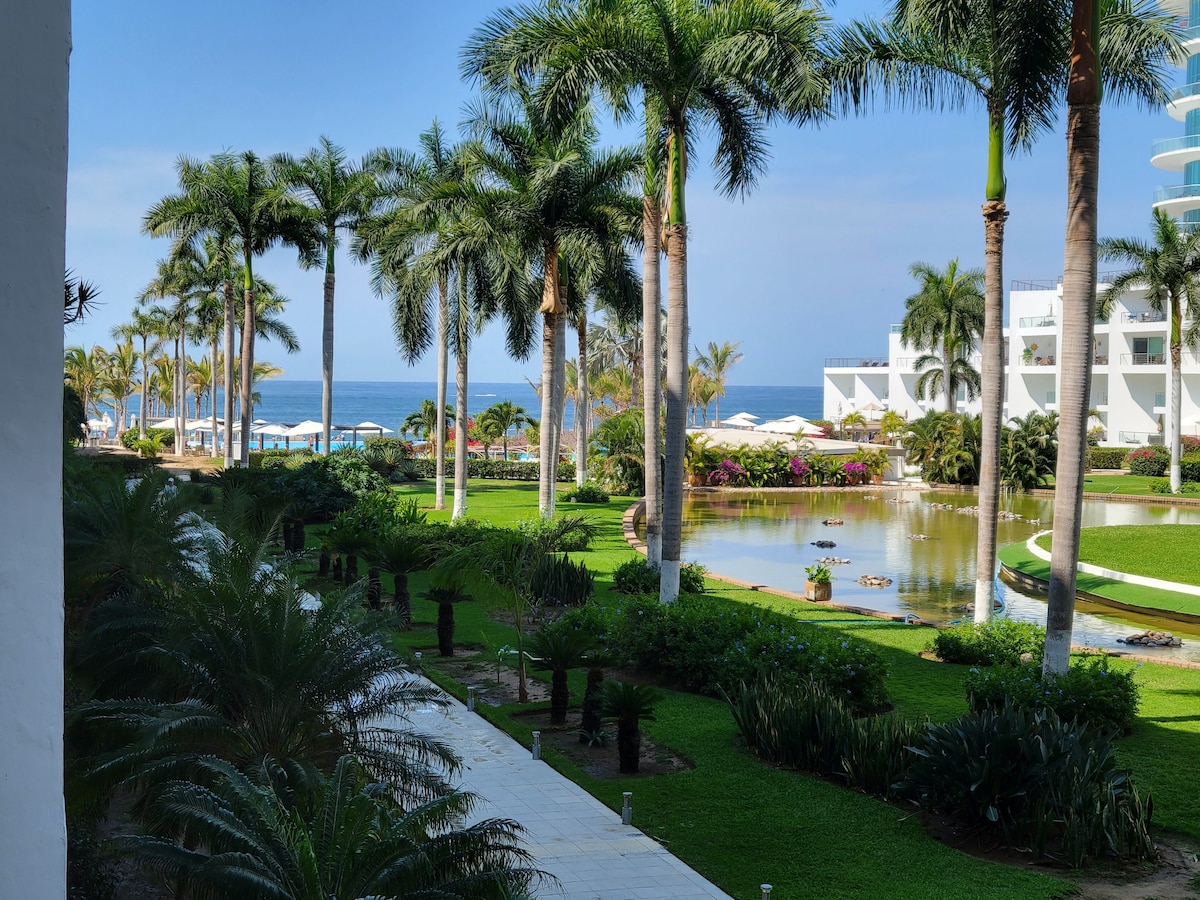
x=741, y=420
x=364, y=426
x=272, y=429
x=749, y=416
x=784, y=426
x=304, y=429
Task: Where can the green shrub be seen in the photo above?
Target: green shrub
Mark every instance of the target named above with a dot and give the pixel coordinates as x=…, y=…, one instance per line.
x=810, y=728
x=1036, y=780
x=276, y=458
x=556, y=581
x=639, y=576
x=1160, y=486
x=1189, y=467
x=997, y=642
x=1106, y=457
x=706, y=644
x=504, y=470
x=588, y=493
x=131, y=436
x=569, y=533
x=1149, y=461
x=1089, y=692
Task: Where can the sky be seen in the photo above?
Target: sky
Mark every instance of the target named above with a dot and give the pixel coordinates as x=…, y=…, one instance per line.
x=812, y=264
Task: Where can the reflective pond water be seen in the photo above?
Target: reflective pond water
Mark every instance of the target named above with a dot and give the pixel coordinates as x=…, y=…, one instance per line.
x=767, y=537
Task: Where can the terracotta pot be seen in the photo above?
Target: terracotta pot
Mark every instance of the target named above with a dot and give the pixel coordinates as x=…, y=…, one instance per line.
x=822, y=593
x=877, y=479
x=798, y=481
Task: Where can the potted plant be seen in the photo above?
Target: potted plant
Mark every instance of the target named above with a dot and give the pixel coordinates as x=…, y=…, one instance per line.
x=876, y=462
x=698, y=460
x=1027, y=355
x=819, y=586
x=800, y=470
x=855, y=472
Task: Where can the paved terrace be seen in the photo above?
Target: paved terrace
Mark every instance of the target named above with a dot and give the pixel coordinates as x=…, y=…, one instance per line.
x=570, y=833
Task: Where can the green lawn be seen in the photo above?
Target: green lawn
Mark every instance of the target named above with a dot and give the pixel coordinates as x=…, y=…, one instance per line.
x=740, y=822
x=1019, y=557
x=1137, y=485
x=1156, y=551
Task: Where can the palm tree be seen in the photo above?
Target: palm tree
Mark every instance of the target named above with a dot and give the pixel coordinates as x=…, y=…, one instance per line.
x=348, y=839
x=692, y=63
x=853, y=420
x=629, y=704
x=84, y=371
x=946, y=316
x=148, y=328
x=892, y=425
x=235, y=197
x=423, y=422
x=400, y=550
x=338, y=196
x=1106, y=53
x=564, y=205
x=120, y=373
x=1169, y=270
x=1012, y=58
x=934, y=380
x=506, y=416
x=558, y=648
x=716, y=363
x=79, y=298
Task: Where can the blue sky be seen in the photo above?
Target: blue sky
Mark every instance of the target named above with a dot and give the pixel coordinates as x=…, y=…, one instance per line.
x=813, y=263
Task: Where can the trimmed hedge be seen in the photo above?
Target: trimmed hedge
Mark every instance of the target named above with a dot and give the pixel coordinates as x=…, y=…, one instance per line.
x=278, y=459
x=1107, y=457
x=502, y=470
x=997, y=642
x=130, y=436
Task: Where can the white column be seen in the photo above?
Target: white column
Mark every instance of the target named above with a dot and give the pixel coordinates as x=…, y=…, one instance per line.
x=35, y=44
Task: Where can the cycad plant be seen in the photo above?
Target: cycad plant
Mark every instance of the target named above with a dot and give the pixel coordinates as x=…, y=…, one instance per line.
x=447, y=588
x=250, y=836
x=629, y=704
x=401, y=550
x=557, y=648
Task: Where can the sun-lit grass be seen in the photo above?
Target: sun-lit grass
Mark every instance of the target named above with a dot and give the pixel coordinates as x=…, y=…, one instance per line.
x=1135, y=485
x=1156, y=551
x=741, y=823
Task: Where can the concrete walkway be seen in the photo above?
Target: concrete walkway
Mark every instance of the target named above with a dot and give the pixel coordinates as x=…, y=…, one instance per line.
x=570, y=834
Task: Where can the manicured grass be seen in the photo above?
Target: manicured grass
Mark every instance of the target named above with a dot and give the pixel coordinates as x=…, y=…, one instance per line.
x=741, y=822
x=1156, y=551
x=1136, y=485
x=1019, y=557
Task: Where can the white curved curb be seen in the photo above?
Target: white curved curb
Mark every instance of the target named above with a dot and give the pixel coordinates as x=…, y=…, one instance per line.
x=1089, y=569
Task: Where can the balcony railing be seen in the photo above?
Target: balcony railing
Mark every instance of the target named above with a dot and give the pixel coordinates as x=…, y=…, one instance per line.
x=1171, y=145
x=1035, y=361
x=1145, y=316
x=896, y=329
x=1051, y=397
x=906, y=363
x=1139, y=437
x=1142, y=359
x=1188, y=90
x=1160, y=399
x=1038, y=284
x=1100, y=359
x=1099, y=400
x=856, y=362
x=1037, y=322
x=1178, y=191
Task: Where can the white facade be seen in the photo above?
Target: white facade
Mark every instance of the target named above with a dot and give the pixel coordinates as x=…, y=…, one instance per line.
x=34, y=47
x=1129, y=372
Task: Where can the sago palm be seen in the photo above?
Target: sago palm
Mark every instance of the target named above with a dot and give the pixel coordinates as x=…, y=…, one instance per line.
x=558, y=648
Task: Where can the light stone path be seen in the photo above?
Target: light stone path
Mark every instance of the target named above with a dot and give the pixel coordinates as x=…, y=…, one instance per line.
x=569, y=832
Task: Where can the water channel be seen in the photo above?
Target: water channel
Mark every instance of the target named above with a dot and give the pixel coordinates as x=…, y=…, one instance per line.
x=766, y=537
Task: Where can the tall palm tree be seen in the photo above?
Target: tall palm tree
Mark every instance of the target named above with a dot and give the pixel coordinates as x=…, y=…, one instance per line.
x=945, y=315
x=693, y=63
x=176, y=279
x=120, y=373
x=423, y=422
x=506, y=416
x=148, y=328
x=1107, y=52
x=1169, y=270
x=716, y=363
x=84, y=370
x=938, y=378
x=235, y=197
x=565, y=206
x=338, y=196
x=1010, y=56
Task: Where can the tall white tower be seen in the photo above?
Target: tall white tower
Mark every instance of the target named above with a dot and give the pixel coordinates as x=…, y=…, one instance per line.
x=1182, y=154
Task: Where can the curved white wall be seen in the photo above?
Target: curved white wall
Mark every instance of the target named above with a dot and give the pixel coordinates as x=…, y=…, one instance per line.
x=35, y=44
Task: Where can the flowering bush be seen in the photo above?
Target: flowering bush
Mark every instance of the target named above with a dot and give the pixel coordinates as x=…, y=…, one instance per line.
x=1148, y=462
x=728, y=472
x=799, y=467
x=855, y=469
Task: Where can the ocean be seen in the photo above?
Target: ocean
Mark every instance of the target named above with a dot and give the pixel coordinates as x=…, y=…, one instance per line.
x=389, y=402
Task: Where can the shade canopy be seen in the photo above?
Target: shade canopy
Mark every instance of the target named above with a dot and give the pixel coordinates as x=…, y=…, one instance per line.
x=871, y=408
x=272, y=429
x=304, y=429
x=745, y=416
x=790, y=425
x=369, y=426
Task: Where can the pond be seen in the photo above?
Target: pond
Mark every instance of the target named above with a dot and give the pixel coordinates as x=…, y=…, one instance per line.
x=767, y=537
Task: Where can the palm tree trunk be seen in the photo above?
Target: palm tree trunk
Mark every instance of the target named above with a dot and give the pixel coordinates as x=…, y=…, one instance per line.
x=248, y=328
x=443, y=376
x=677, y=348
x=550, y=324
x=652, y=374
x=327, y=353
x=560, y=394
x=995, y=212
x=142, y=411
x=1079, y=304
x=227, y=376
x=947, y=381
x=180, y=398
x=212, y=391
x=583, y=405
x=460, y=431
x=1175, y=390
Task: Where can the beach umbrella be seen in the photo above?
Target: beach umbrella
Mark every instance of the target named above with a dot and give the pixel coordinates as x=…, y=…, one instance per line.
x=304, y=429
x=741, y=420
x=790, y=426
x=272, y=429
x=749, y=416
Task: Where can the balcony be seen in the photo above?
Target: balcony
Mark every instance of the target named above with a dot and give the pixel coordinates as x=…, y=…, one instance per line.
x=1039, y=322
x=1179, y=198
x=897, y=329
x=856, y=362
x=1051, y=403
x=1100, y=359
x=1160, y=402
x=1139, y=437
x=907, y=363
x=1099, y=402
x=1183, y=100
x=1173, y=154
x=1035, y=361
x=1143, y=359
x=1147, y=316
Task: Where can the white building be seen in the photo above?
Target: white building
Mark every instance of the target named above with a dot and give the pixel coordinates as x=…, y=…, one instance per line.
x=1129, y=372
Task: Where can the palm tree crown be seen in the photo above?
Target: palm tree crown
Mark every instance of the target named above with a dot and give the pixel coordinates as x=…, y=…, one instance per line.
x=946, y=316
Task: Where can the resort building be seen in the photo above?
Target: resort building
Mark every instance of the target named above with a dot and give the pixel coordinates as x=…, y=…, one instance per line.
x=1129, y=371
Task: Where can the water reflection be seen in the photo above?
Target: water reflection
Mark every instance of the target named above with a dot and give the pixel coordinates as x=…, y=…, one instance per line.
x=768, y=538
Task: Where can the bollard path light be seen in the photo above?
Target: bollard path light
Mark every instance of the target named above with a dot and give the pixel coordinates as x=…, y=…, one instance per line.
x=471, y=698
x=766, y=891
x=537, y=745
x=627, y=808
